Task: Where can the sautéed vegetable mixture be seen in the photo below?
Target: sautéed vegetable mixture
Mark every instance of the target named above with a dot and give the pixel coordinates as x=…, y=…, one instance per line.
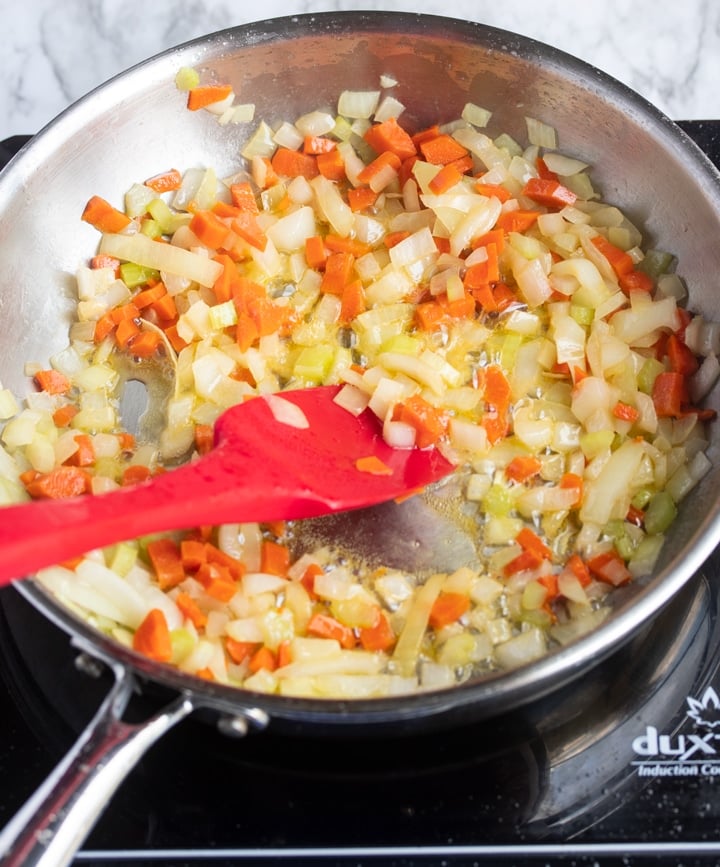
x=475, y=293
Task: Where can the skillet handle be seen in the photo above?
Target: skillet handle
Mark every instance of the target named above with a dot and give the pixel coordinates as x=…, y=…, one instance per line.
x=52, y=825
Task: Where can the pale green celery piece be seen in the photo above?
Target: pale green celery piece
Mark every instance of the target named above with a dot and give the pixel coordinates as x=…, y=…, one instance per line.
x=656, y=262
x=187, y=78
x=123, y=558
x=134, y=275
x=151, y=228
x=497, y=502
x=502, y=348
x=223, y=315
x=342, y=129
x=660, y=513
x=651, y=367
x=182, y=643
x=403, y=343
x=594, y=443
x=641, y=498
x=314, y=362
x=168, y=220
x=582, y=315
x=509, y=144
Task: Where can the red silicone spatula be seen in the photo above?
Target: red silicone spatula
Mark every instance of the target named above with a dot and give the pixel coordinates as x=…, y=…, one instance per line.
x=261, y=469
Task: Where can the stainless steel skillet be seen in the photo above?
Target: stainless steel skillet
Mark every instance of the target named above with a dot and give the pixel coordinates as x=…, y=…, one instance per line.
x=135, y=125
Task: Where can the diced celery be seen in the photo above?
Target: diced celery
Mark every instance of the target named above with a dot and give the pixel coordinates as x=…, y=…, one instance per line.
x=503, y=346
x=403, y=343
x=223, y=315
x=182, y=642
x=660, y=513
x=151, y=228
x=596, y=442
x=582, y=315
x=8, y=404
x=497, y=502
x=314, y=362
x=342, y=129
x=186, y=78
x=134, y=275
x=656, y=262
x=123, y=557
x=168, y=220
x=641, y=498
x=651, y=367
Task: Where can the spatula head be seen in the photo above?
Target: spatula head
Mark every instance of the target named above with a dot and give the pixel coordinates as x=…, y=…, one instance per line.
x=319, y=467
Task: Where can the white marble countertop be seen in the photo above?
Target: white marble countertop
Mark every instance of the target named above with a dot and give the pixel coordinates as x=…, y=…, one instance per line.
x=53, y=53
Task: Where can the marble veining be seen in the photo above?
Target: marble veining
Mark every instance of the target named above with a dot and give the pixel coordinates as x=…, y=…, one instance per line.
x=54, y=53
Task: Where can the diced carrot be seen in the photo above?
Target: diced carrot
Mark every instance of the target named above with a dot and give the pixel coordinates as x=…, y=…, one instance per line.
x=680, y=357
x=426, y=134
x=530, y=541
x=190, y=610
x=430, y=423
x=209, y=228
x=165, y=181
x=124, y=312
x=308, y=578
x=134, y=474
x=579, y=569
x=447, y=177
x=146, y=297
x=338, y=273
x=274, y=558
x=125, y=331
x=523, y=467
x=164, y=555
x=352, y=302
x=625, y=412
x=59, y=483
x=463, y=164
x=548, y=192
x=233, y=567
x=525, y=560
x=325, y=626
x=373, y=465
x=204, y=438
x=145, y=344
x=239, y=651
x=669, y=394
x=102, y=260
x=246, y=331
x=100, y=214
x=29, y=476
x=263, y=658
x=284, y=654
x=224, y=210
x=217, y=580
x=165, y=310
x=390, y=136
x=318, y=144
x=85, y=454
x=205, y=673
x=247, y=227
x=481, y=273
x=315, y=252
x=338, y=244
x=387, y=160
x=496, y=237
x=496, y=391
x=620, y=261
x=52, y=381
x=550, y=583
x=243, y=197
x=392, y=239
x=518, y=220
x=504, y=296
x=177, y=342
x=192, y=554
x=360, y=198
x=226, y=284
x=378, y=637
x=331, y=165
x=429, y=316
x=636, y=281
x=572, y=481
x=458, y=308
x=207, y=94
x=152, y=637
x=496, y=191
x=292, y=164
x=484, y=297
x=63, y=415
x=447, y=608
x=442, y=149
x=610, y=568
